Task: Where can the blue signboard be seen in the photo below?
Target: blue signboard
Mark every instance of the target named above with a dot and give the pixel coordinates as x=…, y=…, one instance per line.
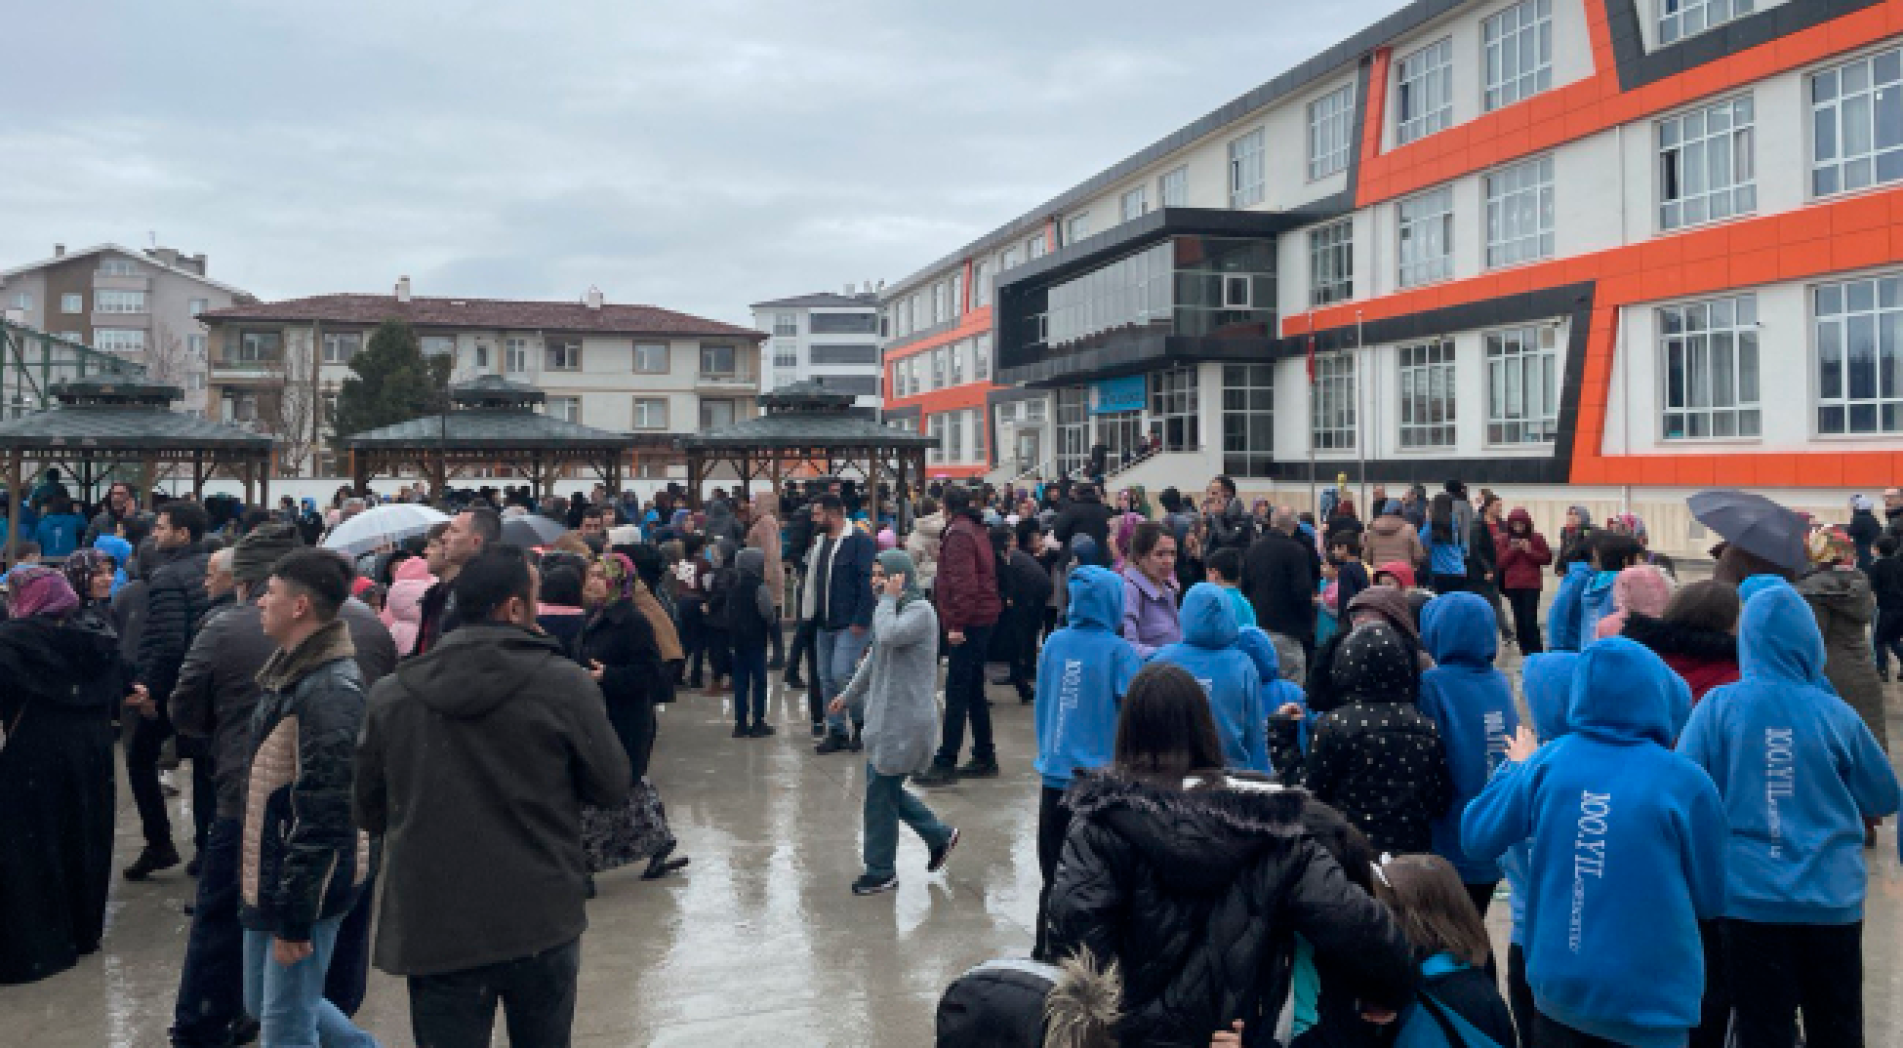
x=1118, y=394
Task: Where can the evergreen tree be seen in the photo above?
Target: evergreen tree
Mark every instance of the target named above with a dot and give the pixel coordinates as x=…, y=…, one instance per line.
x=392, y=382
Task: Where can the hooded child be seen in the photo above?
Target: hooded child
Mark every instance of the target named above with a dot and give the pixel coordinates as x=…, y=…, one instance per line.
x=1639, y=590
x=1228, y=676
x=1547, y=682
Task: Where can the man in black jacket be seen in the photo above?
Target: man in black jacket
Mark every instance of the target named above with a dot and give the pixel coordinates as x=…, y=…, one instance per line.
x=1085, y=515
x=1280, y=574
x=175, y=601
x=119, y=505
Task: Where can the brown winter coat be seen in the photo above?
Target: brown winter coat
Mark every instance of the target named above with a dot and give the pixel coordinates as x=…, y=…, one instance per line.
x=764, y=536
x=1391, y=538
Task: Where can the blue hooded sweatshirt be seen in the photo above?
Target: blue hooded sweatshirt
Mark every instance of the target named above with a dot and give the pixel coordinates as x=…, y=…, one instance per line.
x=1276, y=692
x=1445, y=558
x=1628, y=855
x=1595, y=603
x=1548, y=682
x=1472, y=705
x=121, y=553
x=1797, y=769
x=1562, y=619
x=1081, y=677
x=1208, y=651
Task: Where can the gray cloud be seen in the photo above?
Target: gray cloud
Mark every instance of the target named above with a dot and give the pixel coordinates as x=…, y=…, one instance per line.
x=697, y=155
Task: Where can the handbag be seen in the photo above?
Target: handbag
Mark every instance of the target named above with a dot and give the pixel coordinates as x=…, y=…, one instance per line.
x=630, y=832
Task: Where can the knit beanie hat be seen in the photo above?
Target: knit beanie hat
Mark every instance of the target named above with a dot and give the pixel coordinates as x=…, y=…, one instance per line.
x=1376, y=664
x=256, y=553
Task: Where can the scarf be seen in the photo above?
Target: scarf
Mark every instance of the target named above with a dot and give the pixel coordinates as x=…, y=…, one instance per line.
x=40, y=590
x=899, y=562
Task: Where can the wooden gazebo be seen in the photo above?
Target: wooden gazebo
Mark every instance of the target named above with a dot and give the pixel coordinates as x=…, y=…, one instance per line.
x=493, y=424
x=99, y=424
x=806, y=429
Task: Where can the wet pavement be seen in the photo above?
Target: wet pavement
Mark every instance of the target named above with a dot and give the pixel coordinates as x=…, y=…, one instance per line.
x=759, y=940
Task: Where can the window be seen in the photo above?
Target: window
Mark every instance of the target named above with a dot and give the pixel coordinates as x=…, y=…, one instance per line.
x=1708, y=353
x=1331, y=263
x=935, y=428
x=1246, y=170
x=1035, y=247
x=1172, y=189
x=563, y=356
x=195, y=381
x=1706, y=170
x=340, y=347
x=786, y=323
x=981, y=358
x=129, y=340
x=957, y=295
x=714, y=413
x=1427, y=394
x=1236, y=290
x=253, y=346
x=1523, y=385
x=957, y=353
x=1424, y=103
x=515, y=357
x=1679, y=19
x=195, y=345
x=650, y=358
x=1520, y=213
x=482, y=356
x=901, y=320
x=940, y=310
x=1857, y=124
x=1174, y=409
x=857, y=385
x=438, y=345
x=1519, y=46
x=650, y=413
x=1330, y=132
x=1073, y=429
x=117, y=267
x=1427, y=237
x=71, y=303
x=844, y=354
x=1008, y=260
x=568, y=409
x=1333, y=399
x=1859, y=325
x=787, y=355
x=1134, y=204
x=1077, y=228
x=23, y=300
x=938, y=368
x=117, y=302
x=980, y=284
x=954, y=436
x=864, y=322
x=717, y=360
x=197, y=306
x=75, y=336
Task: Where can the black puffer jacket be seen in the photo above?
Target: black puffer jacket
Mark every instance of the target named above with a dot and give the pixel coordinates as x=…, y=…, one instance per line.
x=1197, y=894
x=620, y=638
x=175, y=601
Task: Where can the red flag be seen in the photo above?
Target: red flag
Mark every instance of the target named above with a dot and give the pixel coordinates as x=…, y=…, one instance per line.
x=1311, y=358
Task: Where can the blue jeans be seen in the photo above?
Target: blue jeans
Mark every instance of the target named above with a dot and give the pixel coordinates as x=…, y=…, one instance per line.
x=887, y=803
x=210, y=985
x=839, y=652
x=289, y=1002
x=749, y=675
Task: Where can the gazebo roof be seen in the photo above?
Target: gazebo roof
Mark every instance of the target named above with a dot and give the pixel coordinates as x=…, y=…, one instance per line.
x=492, y=414
x=807, y=415
x=120, y=414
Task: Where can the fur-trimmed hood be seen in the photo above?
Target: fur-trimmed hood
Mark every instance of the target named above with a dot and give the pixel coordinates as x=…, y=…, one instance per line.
x=1674, y=638
x=1197, y=837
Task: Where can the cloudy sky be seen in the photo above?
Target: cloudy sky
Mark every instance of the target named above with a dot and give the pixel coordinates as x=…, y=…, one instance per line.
x=699, y=155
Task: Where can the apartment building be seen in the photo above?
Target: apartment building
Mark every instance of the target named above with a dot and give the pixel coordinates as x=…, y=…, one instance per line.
x=1602, y=250
x=828, y=337
x=140, y=305
x=653, y=372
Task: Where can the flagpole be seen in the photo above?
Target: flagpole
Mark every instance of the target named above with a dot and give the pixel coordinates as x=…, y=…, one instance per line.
x=1361, y=429
x=1314, y=503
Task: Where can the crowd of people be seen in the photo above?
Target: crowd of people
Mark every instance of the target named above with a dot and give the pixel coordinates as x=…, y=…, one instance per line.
x=1281, y=774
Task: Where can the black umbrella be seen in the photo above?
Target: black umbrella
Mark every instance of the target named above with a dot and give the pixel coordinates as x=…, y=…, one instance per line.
x=1754, y=524
x=530, y=530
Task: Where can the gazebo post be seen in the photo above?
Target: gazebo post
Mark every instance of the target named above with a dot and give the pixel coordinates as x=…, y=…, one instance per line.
x=198, y=475
x=264, y=481
x=250, y=469
x=145, y=471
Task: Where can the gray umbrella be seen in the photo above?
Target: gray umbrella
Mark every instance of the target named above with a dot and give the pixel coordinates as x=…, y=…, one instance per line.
x=530, y=530
x=1754, y=524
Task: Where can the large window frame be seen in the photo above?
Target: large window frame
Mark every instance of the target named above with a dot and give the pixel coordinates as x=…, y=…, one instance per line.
x=1424, y=92
x=120, y=340
x=1175, y=408
x=651, y=358
x=1518, y=47
x=1172, y=187
x=1134, y=203
x=113, y=300
x=1682, y=19
x=1331, y=121
x=1073, y=429
x=568, y=408
x=711, y=411
x=1707, y=164
x=1858, y=330
x=1424, y=225
x=650, y=413
x=340, y=346
x=72, y=303
x=1333, y=411
x=1709, y=377
x=1248, y=169
x=1428, y=385
x=564, y=355
x=515, y=356
x=786, y=325
x=1520, y=213
x=1522, y=385
x=1331, y=262
x=1856, y=136
x=720, y=360
x=1248, y=420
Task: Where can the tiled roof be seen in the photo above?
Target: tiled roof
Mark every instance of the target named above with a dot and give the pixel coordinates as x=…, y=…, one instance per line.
x=808, y=429
x=824, y=299
x=117, y=427
x=489, y=428
x=502, y=314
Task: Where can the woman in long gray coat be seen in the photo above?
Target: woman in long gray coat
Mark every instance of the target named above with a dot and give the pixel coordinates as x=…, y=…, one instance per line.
x=894, y=692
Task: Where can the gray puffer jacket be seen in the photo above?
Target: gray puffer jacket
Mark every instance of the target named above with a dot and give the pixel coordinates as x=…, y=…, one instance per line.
x=895, y=690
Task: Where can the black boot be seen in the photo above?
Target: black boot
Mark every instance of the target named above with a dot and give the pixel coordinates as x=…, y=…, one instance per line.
x=660, y=865
x=151, y=860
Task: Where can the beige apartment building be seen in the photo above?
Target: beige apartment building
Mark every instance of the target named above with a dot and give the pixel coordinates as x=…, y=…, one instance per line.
x=652, y=372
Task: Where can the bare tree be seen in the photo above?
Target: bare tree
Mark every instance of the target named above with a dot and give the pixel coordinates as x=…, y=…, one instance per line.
x=288, y=403
x=167, y=360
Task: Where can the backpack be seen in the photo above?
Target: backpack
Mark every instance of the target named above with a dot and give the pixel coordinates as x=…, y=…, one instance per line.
x=1427, y=1023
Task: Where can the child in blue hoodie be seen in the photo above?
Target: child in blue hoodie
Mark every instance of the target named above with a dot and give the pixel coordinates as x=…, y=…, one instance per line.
x=1472, y=705
x=1081, y=676
x=1562, y=618
x=1208, y=651
x=1627, y=856
x=1612, y=553
x=1547, y=681
x=1798, y=773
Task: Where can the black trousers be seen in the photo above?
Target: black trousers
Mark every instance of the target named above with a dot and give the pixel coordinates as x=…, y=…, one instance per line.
x=211, y=981
x=1053, y=823
x=142, y=776
x=1714, y=1011
x=1445, y=584
x=1776, y=970
x=965, y=698
x=1526, y=619
x=1520, y=995
x=1549, y=1033
x=803, y=659
x=1021, y=623
x=537, y=994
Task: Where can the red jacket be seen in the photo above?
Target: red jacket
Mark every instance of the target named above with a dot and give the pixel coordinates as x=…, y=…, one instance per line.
x=967, y=583
x=1520, y=568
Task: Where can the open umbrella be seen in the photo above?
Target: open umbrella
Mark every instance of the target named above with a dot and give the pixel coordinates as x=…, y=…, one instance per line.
x=530, y=529
x=1754, y=524
x=390, y=523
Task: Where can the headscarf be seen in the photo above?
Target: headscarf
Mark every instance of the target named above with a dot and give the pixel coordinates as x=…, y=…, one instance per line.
x=79, y=569
x=621, y=576
x=899, y=562
x=39, y=590
x=1827, y=544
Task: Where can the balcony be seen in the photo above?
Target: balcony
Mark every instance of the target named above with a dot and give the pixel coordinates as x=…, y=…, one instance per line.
x=726, y=381
x=240, y=366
